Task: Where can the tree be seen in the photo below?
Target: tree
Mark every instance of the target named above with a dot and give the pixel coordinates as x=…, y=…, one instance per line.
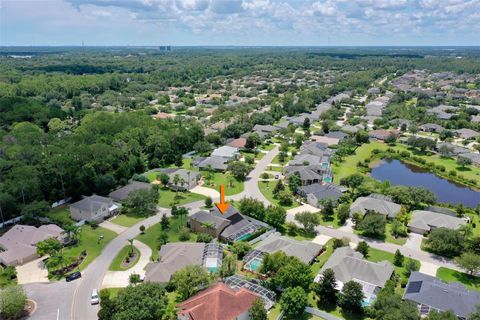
x=142, y=201
x=445, y=242
x=229, y=265
x=162, y=238
x=208, y=202
x=239, y=170
x=189, y=280
x=351, y=297
x=204, y=237
x=294, y=182
x=293, y=302
x=294, y=273
x=146, y=301
x=373, y=224
x=325, y=289
x=398, y=229
x=462, y=162
x=410, y=266
x=142, y=229
x=327, y=207
x=476, y=314
x=257, y=310
x=278, y=187
x=275, y=216
x=285, y=198
x=470, y=262
x=306, y=124
x=343, y=212
x=253, y=141
x=134, y=278
x=363, y=247
x=353, y=181
x=271, y=263
x=72, y=231
x=441, y=315
x=49, y=246
x=308, y=220
x=390, y=306
x=241, y=248
x=252, y=207
x=398, y=258
x=164, y=223
x=12, y=302
x=164, y=178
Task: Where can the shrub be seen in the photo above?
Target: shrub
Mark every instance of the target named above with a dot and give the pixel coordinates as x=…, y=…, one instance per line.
x=184, y=234
x=204, y=237
x=452, y=173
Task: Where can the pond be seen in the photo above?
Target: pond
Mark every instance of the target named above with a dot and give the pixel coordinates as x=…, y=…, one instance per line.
x=399, y=173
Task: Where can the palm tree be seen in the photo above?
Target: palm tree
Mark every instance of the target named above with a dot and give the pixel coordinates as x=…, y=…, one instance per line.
x=176, y=180
x=131, y=246
x=72, y=232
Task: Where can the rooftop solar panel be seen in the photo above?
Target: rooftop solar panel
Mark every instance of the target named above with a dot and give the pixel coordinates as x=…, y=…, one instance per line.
x=414, y=287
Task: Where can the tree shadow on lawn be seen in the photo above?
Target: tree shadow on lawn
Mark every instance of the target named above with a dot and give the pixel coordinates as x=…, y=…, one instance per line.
x=463, y=169
x=330, y=308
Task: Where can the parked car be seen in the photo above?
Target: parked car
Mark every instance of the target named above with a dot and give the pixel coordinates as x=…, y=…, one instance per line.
x=277, y=176
x=73, y=276
x=94, y=299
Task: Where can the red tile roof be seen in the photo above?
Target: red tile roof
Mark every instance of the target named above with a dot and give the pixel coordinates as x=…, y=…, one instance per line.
x=238, y=143
x=219, y=302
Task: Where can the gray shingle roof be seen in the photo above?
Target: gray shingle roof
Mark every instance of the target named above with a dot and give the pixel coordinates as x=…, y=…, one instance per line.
x=92, y=203
x=364, y=204
x=305, y=251
x=122, y=193
x=323, y=191
x=204, y=216
x=426, y=220
x=350, y=265
x=430, y=291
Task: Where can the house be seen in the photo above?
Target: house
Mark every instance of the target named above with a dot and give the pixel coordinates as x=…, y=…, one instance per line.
x=455, y=150
x=305, y=159
x=375, y=203
x=238, y=143
x=122, y=193
x=431, y=127
x=214, y=163
x=230, y=226
x=336, y=135
x=19, y=243
x=423, y=221
x=430, y=293
x=466, y=133
x=349, y=264
x=189, y=178
x=93, y=208
x=264, y=130
x=305, y=251
x=324, y=140
x=381, y=134
x=177, y=255
x=474, y=157
x=225, y=152
x=317, y=192
x=352, y=129
x=219, y=302
x=316, y=148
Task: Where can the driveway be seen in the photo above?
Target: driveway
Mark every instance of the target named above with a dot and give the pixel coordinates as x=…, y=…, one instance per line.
x=32, y=272
x=54, y=300
x=321, y=239
x=302, y=208
x=414, y=241
x=113, y=226
x=120, y=279
x=348, y=227
x=208, y=192
x=428, y=268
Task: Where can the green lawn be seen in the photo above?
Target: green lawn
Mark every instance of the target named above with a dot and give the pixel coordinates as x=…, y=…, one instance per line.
x=275, y=168
x=267, y=147
x=390, y=238
x=127, y=220
x=328, y=250
x=376, y=255
x=120, y=257
x=221, y=178
x=169, y=198
x=60, y=215
x=150, y=237
x=152, y=175
x=276, y=160
x=331, y=221
x=276, y=310
x=266, y=187
x=349, y=165
x=89, y=240
x=449, y=275
x=113, y=292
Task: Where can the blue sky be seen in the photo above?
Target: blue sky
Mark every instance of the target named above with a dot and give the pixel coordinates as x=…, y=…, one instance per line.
x=240, y=22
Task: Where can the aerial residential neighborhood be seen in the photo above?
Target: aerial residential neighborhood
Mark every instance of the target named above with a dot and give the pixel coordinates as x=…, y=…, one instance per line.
x=239, y=160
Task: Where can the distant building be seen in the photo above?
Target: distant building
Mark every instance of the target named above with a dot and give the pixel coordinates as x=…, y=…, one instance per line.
x=375, y=203
x=424, y=221
x=121, y=194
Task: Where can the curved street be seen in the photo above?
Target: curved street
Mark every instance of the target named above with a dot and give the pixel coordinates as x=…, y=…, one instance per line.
x=63, y=301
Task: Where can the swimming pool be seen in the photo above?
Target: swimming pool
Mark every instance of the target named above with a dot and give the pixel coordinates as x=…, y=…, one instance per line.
x=253, y=265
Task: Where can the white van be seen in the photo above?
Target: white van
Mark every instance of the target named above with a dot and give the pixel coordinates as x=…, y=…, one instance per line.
x=94, y=299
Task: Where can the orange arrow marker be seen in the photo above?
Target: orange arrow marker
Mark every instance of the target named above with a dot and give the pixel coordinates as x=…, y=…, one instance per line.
x=222, y=205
